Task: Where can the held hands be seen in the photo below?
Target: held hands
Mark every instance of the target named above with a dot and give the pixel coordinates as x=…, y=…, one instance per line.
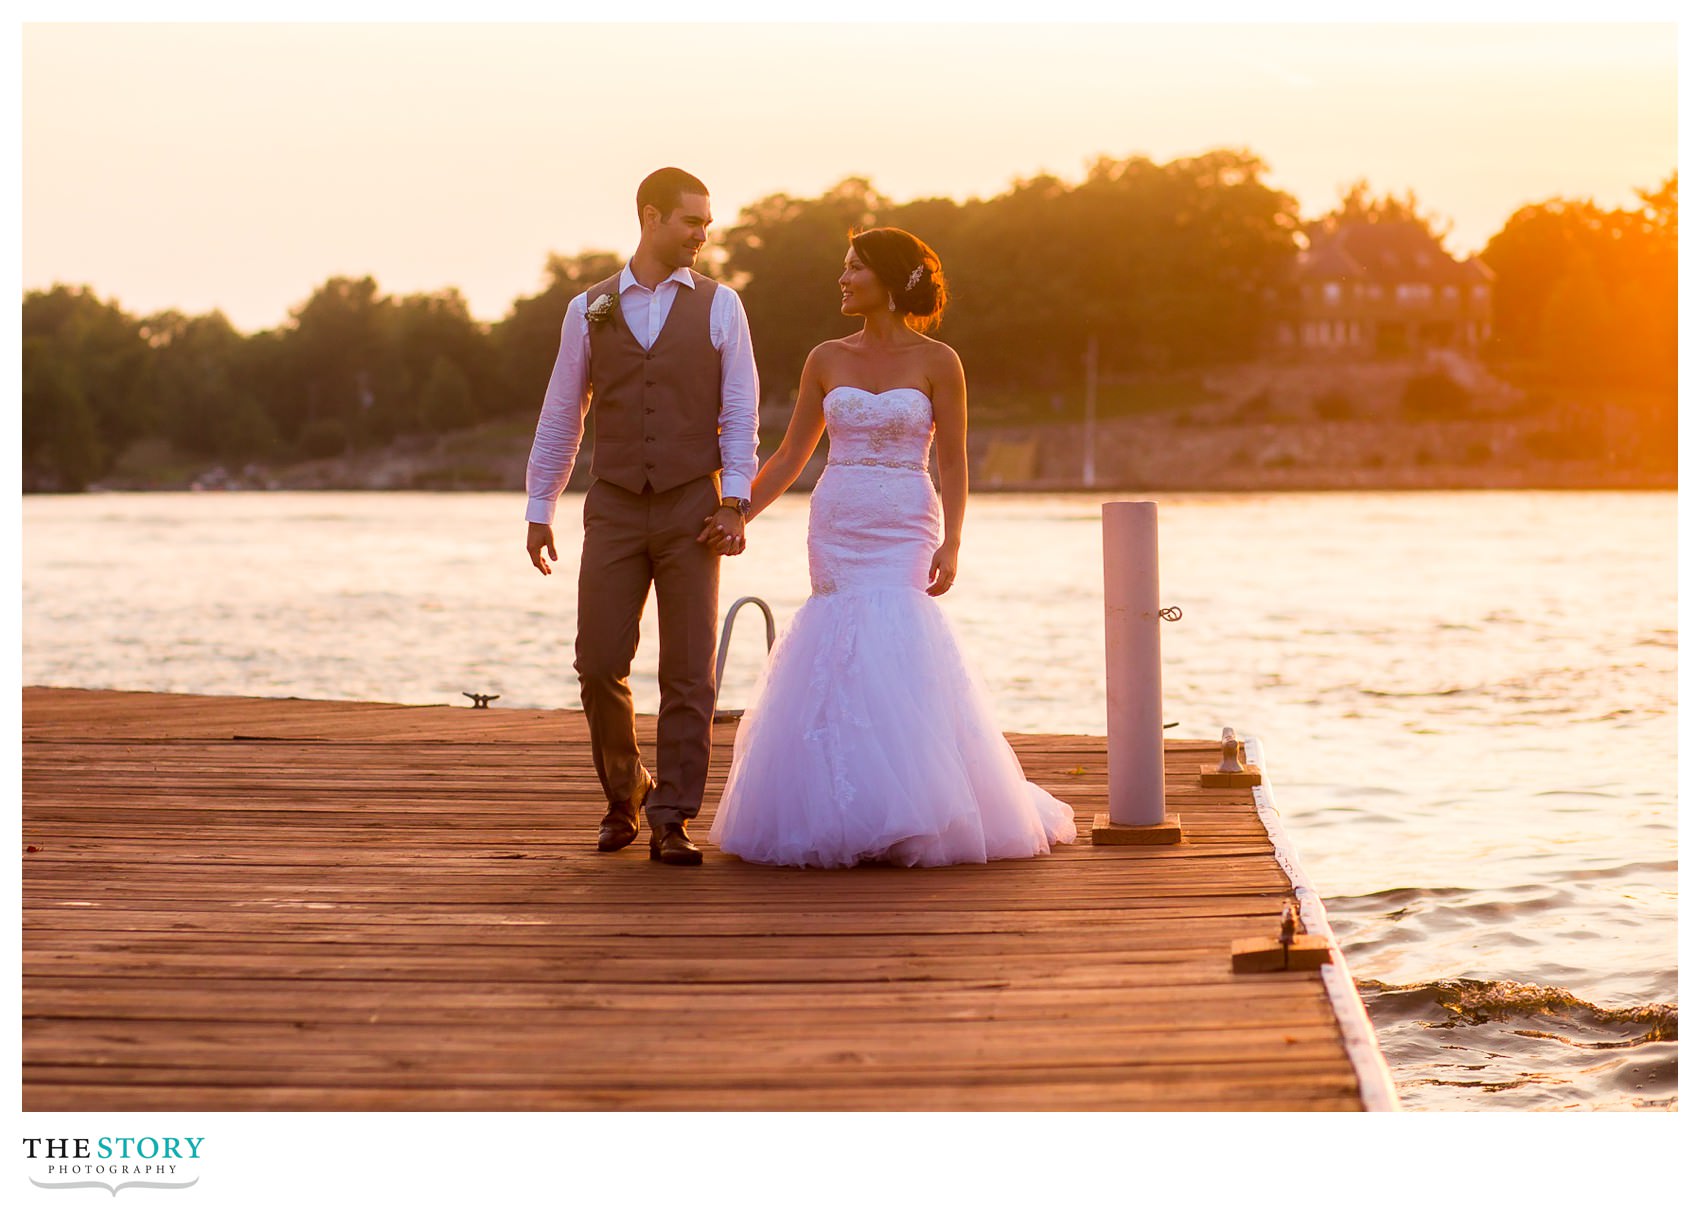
x=942, y=575
x=723, y=532
x=540, y=537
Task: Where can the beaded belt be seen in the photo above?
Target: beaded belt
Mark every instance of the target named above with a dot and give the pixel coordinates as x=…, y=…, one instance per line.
x=908, y=465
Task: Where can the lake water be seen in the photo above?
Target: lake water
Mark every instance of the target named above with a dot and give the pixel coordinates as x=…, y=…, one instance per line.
x=1467, y=702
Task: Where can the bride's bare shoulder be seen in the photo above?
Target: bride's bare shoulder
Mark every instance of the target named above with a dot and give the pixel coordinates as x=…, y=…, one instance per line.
x=824, y=365
x=942, y=359
x=828, y=355
x=828, y=350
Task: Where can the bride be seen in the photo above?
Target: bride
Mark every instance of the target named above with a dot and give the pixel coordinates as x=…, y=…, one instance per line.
x=868, y=736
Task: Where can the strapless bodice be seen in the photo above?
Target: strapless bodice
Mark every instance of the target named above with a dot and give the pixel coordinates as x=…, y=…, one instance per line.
x=878, y=429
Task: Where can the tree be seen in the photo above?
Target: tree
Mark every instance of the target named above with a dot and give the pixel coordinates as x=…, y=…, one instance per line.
x=110, y=358
x=336, y=358
x=1013, y=319
x=1206, y=238
x=446, y=403
x=59, y=431
x=433, y=336
x=784, y=255
x=524, y=343
x=202, y=399
x=1359, y=205
x=1588, y=292
x=1575, y=322
x=1168, y=264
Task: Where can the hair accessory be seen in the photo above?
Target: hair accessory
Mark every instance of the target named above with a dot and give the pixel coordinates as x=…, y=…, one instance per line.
x=914, y=277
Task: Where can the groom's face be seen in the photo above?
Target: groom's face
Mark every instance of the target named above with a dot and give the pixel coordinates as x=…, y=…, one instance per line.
x=677, y=238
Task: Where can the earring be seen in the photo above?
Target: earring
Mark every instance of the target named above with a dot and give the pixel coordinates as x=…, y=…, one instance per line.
x=890, y=304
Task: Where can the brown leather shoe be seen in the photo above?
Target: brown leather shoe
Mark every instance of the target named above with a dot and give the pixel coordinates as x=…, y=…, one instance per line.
x=620, y=824
x=672, y=845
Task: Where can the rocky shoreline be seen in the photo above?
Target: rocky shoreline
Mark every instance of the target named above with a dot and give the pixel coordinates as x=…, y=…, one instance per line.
x=1128, y=456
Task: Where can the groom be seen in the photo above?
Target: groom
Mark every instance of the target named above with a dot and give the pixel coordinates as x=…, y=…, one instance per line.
x=663, y=355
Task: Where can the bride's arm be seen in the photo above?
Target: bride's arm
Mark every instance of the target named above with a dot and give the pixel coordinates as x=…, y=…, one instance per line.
x=802, y=436
x=950, y=421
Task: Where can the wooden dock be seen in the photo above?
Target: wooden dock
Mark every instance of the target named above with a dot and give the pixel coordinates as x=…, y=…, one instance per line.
x=261, y=904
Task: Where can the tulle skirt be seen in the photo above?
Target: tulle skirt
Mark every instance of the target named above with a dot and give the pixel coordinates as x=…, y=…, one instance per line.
x=870, y=738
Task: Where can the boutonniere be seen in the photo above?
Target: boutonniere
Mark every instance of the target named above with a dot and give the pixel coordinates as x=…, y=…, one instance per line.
x=599, y=311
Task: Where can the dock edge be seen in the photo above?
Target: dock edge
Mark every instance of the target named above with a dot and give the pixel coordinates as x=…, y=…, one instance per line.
x=1375, y=1080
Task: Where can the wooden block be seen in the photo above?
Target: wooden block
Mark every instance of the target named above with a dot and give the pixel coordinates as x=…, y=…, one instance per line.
x=1210, y=777
x=1264, y=954
x=1107, y=834
x=1258, y=954
x=1308, y=952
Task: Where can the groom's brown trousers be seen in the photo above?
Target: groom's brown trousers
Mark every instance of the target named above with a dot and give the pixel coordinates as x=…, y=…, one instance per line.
x=630, y=540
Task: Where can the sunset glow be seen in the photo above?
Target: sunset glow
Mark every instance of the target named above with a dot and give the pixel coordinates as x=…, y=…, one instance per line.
x=237, y=166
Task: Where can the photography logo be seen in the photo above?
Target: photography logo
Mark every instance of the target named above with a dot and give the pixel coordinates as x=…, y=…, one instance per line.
x=114, y=1163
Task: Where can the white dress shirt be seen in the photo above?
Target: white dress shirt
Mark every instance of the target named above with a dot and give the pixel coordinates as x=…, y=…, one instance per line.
x=560, y=426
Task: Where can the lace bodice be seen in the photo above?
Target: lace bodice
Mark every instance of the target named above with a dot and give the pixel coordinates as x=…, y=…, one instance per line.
x=880, y=429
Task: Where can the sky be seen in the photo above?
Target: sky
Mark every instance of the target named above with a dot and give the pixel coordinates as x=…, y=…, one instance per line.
x=201, y=166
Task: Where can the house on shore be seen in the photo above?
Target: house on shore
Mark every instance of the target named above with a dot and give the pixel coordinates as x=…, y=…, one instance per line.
x=1382, y=289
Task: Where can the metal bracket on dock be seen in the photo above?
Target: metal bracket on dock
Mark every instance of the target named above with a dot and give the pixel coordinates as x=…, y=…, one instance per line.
x=1233, y=771
x=479, y=701
x=728, y=715
x=1288, y=952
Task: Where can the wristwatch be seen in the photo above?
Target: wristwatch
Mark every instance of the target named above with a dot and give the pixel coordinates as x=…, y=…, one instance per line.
x=741, y=504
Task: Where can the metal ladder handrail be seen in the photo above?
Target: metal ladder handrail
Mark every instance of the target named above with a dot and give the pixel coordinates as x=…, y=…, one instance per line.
x=731, y=714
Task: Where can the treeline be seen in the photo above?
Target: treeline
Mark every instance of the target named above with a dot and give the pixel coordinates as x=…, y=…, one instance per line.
x=352, y=369
x=1589, y=294
x=1169, y=265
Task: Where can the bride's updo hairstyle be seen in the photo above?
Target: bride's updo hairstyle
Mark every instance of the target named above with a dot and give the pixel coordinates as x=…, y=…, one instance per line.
x=909, y=269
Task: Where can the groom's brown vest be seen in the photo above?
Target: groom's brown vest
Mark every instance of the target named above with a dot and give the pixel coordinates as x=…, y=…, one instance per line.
x=657, y=411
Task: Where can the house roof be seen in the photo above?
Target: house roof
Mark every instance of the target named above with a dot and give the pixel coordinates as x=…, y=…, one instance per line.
x=1390, y=252
x=1329, y=261
x=1477, y=269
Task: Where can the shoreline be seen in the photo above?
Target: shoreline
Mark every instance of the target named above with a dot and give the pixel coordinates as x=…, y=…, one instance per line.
x=1342, y=485
x=1143, y=454
x=1254, y=428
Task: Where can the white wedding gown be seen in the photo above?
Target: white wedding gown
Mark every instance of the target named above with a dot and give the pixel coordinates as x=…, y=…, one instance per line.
x=868, y=736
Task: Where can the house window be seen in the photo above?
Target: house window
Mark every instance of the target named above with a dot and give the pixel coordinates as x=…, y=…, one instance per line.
x=1414, y=292
x=1480, y=292
x=1373, y=290
x=1449, y=293
x=1331, y=293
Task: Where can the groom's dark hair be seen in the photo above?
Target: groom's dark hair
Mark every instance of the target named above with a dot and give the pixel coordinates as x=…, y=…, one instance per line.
x=663, y=188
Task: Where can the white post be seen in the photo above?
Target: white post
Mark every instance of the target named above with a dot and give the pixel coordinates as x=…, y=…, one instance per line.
x=1133, y=667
